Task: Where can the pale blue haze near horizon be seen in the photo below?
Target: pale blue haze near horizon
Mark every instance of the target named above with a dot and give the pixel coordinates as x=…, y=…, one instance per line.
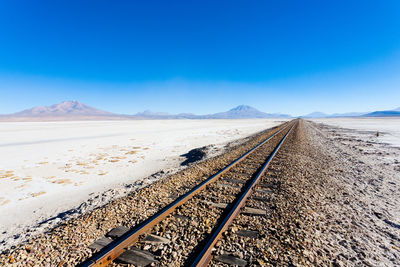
x=292, y=57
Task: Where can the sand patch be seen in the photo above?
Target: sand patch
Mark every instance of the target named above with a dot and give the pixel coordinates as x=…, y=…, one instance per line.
x=118, y=157
x=62, y=181
x=38, y=193
x=5, y=202
x=7, y=175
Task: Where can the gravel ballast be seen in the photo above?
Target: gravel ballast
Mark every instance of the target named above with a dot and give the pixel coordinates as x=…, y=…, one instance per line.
x=68, y=244
x=331, y=198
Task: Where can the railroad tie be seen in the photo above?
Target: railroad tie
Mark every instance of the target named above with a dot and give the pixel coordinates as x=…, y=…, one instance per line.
x=262, y=199
x=247, y=233
x=100, y=243
x=246, y=210
x=117, y=231
x=265, y=185
x=229, y=186
x=263, y=191
x=136, y=257
x=216, y=205
x=231, y=260
x=234, y=181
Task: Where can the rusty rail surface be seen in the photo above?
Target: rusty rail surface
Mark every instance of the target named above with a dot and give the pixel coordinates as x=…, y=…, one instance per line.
x=205, y=255
x=117, y=247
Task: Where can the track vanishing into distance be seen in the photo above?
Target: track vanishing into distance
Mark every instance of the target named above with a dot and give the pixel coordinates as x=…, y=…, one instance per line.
x=198, y=219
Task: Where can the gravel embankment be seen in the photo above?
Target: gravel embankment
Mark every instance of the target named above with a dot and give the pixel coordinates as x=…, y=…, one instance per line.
x=68, y=243
x=193, y=222
x=334, y=202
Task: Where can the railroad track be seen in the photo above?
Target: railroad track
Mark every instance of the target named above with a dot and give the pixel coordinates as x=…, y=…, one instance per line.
x=186, y=231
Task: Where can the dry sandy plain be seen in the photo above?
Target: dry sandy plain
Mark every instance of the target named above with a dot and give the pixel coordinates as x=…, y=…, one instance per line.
x=388, y=128
x=338, y=177
x=52, y=170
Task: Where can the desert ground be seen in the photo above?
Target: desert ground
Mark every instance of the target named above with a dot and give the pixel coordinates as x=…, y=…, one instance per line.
x=358, y=199
x=388, y=128
x=50, y=171
x=333, y=196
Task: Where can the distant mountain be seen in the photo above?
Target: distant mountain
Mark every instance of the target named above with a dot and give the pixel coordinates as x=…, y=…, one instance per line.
x=384, y=113
x=149, y=113
x=156, y=116
x=349, y=114
x=244, y=112
x=334, y=115
x=66, y=108
x=315, y=114
x=239, y=112
x=75, y=110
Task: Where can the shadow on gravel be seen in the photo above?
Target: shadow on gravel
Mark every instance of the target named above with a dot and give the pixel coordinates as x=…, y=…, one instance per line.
x=194, y=155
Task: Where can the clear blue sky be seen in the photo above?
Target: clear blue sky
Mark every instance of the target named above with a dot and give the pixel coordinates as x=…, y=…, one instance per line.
x=201, y=56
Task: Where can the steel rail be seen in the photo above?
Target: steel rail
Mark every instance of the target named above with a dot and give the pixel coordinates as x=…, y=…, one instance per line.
x=117, y=247
x=205, y=255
